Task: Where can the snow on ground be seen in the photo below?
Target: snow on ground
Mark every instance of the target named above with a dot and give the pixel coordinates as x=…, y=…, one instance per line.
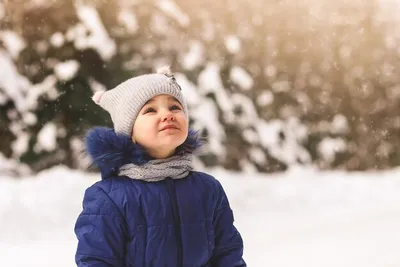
x=299, y=218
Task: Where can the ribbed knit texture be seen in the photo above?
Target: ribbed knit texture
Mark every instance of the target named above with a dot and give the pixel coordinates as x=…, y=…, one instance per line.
x=125, y=101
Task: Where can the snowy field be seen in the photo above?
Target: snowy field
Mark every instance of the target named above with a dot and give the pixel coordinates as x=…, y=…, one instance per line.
x=299, y=218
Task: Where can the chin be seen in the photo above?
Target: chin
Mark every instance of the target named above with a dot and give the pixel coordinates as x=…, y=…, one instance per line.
x=173, y=141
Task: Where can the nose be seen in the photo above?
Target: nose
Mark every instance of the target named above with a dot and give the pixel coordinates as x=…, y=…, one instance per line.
x=168, y=116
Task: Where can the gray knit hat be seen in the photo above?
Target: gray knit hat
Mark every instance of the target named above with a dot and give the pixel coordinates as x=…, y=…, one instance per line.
x=125, y=101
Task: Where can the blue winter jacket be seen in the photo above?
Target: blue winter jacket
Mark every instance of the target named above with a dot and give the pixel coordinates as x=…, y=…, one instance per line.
x=170, y=223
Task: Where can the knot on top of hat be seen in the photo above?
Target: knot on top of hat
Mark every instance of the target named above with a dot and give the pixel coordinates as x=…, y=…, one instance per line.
x=166, y=70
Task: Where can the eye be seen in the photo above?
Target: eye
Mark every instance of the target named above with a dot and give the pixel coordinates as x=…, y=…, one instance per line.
x=175, y=107
x=148, y=110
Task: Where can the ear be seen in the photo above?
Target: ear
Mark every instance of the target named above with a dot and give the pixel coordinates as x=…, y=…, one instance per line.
x=97, y=97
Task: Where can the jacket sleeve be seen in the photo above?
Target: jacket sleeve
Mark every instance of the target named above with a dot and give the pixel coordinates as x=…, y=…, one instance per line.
x=101, y=231
x=228, y=249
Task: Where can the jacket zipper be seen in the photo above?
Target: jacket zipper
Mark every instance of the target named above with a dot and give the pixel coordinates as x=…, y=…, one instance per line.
x=177, y=220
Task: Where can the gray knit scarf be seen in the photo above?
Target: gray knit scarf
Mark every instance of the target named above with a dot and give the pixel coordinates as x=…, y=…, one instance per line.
x=175, y=167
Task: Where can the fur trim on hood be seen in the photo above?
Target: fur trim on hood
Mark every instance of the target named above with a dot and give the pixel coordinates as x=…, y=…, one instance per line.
x=110, y=151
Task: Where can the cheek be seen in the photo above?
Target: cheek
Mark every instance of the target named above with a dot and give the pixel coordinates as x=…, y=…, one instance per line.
x=181, y=118
x=184, y=124
x=146, y=127
x=143, y=129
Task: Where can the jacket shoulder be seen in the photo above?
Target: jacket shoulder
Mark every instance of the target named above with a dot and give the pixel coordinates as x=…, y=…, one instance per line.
x=115, y=189
x=208, y=182
x=206, y=178
x=112, y=184
x=214, y=186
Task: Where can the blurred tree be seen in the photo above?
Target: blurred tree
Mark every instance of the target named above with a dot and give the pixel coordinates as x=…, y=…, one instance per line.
x=270, y=83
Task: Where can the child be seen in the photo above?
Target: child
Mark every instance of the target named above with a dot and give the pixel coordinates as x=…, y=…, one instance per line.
x=151, y=208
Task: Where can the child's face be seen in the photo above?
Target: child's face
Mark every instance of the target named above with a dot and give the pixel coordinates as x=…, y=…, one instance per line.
x=161, y=126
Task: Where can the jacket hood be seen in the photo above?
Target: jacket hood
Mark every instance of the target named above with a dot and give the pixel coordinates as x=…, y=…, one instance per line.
x=110, y=151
